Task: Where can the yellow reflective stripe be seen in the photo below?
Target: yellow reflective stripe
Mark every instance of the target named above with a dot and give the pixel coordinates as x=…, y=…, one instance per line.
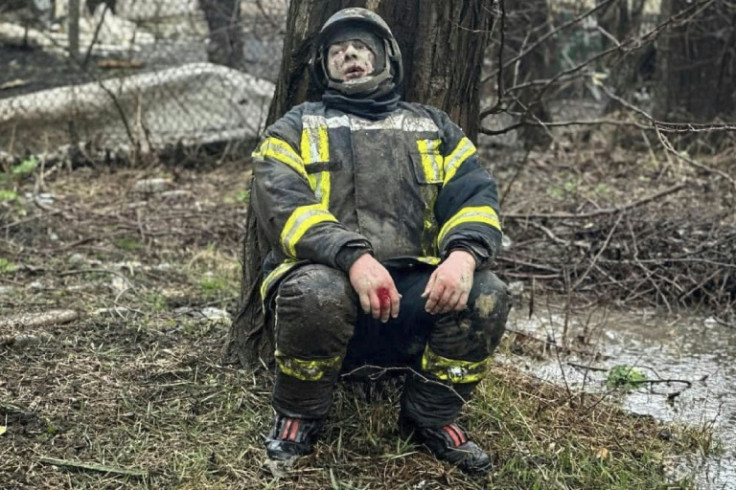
x=300, y=221
x=281, y=151
x=464, y=150
x=431, y=160
x=476, y=214
x=275, y=275
x=429, y=260
x=453, y=370
x=315, y=147
x=307, y=370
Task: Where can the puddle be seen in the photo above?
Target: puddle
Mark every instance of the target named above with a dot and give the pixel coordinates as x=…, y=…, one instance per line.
x=693, y=349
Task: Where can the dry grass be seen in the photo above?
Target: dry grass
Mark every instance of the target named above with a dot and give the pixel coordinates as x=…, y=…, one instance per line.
x=135, y=383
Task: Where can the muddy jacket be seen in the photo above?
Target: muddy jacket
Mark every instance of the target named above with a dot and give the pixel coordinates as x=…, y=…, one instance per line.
x=408, y=187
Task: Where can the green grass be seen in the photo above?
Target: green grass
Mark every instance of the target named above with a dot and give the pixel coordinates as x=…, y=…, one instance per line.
x=6, y=266
x=624, y=377
x=127, y=244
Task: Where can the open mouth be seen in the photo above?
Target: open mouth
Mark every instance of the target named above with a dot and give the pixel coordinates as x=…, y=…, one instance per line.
x=354, y=72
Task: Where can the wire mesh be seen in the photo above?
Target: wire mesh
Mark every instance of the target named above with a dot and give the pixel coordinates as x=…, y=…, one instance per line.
x=152, y=72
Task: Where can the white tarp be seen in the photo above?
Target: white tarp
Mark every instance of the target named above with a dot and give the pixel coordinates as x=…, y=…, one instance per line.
x=192, y=104
x=111, y=34
x=155, y=9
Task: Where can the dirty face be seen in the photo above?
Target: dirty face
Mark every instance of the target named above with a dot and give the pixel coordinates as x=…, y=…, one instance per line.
x=350, y=60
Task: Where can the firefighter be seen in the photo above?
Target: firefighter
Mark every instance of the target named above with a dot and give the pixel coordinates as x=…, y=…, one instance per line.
x=382, y=223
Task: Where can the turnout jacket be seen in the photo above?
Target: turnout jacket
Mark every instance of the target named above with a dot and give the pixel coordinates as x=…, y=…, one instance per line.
x=408, y=187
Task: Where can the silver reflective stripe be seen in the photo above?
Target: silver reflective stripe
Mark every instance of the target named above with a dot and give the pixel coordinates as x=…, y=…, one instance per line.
x=400, y=122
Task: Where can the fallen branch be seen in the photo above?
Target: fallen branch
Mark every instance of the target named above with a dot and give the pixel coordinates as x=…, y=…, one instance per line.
x=94, y=467
x=30, y=320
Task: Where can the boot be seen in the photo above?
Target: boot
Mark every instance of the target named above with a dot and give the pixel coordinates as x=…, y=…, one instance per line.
x=448, y=443
x=292, y=437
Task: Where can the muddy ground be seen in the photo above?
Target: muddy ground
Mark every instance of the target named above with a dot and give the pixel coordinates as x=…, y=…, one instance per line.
x=124, y=388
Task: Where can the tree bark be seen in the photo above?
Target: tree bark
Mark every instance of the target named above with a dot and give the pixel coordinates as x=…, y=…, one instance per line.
x=226, y=32
x=443, y=45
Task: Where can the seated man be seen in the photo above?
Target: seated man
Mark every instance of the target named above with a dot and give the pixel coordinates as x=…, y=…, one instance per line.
x=381, y=222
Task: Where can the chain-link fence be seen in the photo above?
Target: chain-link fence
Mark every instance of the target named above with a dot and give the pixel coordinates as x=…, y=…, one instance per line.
x=146, y=74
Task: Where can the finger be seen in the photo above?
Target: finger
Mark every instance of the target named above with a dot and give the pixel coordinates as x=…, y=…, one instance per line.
x=451, y=299
x=395, y=302
x=385, y=313
x=365, y=303
x=434, y=297
x=375, y=305
x=462, y=303
x=385, y=299
x=430, y=284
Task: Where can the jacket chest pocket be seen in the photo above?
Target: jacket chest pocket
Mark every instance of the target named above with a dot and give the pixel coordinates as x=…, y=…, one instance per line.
x=428, y=162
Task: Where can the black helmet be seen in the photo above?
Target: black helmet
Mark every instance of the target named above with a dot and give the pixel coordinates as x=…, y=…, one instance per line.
x=391, y=67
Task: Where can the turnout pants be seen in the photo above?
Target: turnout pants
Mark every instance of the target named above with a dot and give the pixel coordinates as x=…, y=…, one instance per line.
x=321, y=329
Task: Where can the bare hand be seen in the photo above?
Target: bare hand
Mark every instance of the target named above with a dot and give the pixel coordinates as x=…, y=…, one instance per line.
x=450, y=283
x=375, y=287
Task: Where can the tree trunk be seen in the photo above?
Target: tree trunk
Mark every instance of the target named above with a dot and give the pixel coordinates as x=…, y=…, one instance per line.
x=443, y=44
x=226, y=32
x=697, y=65
x=629, y=70
x=73, y=28
x=526, y=22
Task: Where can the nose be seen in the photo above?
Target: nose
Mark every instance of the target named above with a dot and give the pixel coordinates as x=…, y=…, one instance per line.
x=350, y=51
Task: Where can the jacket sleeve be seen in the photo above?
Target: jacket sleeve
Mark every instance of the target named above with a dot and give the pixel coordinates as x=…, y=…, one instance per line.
x=288, y=211
x=467, y=207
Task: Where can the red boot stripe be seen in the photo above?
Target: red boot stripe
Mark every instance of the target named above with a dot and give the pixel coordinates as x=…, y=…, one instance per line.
x=294, y=430
x=460, y=434
x=453, y=435
x=285, y=432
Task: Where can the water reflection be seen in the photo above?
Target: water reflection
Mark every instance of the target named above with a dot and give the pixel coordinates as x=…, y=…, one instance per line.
x=662, y=347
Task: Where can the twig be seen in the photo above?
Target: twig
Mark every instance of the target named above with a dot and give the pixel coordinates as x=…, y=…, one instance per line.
x=587, y=368
x=670, y=149
x=105, y=271
x=94, y=467
x=543, y=38
x=599, y=212
x=95, y=36
x=600, y=252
